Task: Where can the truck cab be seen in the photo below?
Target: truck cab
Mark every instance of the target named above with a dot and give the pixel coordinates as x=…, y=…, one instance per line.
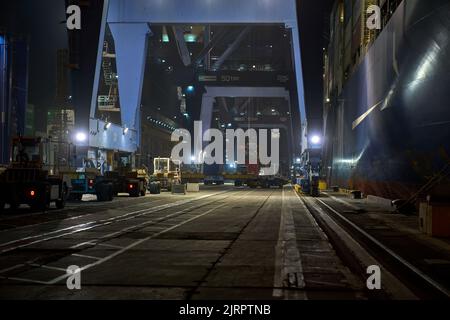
x=89, y=181
x=127, y=179
x=166, y=173
x=25, y=181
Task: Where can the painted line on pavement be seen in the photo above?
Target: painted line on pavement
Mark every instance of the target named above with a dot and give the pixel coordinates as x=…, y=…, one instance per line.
x=99, y=223
x=288, y=264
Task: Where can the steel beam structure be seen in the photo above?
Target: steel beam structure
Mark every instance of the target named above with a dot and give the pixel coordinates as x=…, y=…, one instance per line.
x=211, y=43
x=231, y=49
x=212, y=93
x=129, y=20
x=183, y=50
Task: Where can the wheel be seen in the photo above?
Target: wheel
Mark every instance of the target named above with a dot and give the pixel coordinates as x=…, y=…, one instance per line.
x=75, y=197
x=105, y=192
x=43, y=206
x=155, y=188
x=110, y=193
x=134, y=195
x=101, y=192
x=43, y=201
x=143, y=192
x=60, y=204
x=99, y=195
x=252, y=185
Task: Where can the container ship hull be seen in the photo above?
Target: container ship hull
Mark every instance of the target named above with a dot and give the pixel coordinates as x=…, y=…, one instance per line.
x=388, y=131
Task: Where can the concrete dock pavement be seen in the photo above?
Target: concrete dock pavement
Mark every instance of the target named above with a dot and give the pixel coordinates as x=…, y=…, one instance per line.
x=220, y=243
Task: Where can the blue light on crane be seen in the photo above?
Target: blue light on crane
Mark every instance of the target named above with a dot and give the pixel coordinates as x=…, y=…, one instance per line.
x=190, y=89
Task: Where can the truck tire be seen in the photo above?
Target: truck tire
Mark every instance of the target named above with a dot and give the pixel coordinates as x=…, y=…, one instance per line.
x=60, y=204
x=143, y=192
x=102, y=192
x=155, y=188
x=106, y=192
x=110, y=192
x=76, y=196
x=251, y=184
x=42, y=206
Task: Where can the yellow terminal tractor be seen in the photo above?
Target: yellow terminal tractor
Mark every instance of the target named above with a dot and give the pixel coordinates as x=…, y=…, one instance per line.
x=166, y=173
x=127, y=179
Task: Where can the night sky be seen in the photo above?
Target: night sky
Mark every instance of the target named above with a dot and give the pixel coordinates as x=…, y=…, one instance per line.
x=313, y=19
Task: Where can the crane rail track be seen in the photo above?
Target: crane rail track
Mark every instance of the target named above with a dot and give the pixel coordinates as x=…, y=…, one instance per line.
x=410, y=274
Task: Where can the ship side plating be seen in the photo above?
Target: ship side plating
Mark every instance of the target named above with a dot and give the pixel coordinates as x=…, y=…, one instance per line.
x=387, y=121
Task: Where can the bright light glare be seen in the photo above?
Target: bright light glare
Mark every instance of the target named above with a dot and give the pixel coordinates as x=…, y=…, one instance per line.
x=81, y=137
x=315, y=139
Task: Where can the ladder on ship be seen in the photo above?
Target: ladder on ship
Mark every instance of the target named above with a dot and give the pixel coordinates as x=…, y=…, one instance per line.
x=431, y=183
